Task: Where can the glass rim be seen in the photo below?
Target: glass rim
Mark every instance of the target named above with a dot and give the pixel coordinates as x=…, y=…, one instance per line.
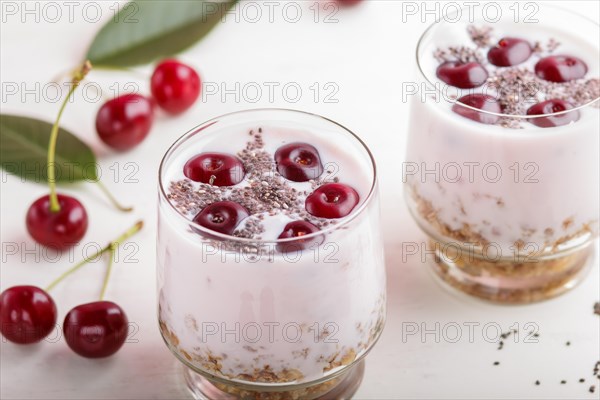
x=433, y=25
x=221, y=237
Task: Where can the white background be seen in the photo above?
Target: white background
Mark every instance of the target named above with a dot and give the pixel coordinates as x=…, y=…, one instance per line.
x=368, y=53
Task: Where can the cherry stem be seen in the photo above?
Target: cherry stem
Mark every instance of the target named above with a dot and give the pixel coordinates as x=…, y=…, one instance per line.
x=78, y=76
x=111, y=256
x=112, y=198
x=109, y=247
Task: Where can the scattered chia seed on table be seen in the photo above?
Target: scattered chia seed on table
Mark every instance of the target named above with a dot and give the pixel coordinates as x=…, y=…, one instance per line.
x=504, y=336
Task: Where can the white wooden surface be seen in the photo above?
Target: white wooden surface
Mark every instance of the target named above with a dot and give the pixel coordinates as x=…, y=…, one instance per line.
x=366, y=54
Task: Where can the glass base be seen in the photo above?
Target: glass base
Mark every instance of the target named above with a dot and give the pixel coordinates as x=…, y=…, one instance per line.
x=341, y=387
x=510, y=282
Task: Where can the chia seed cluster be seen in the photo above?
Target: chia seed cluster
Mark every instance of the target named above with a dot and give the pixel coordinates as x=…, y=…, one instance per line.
x=264, y=192
x=518, y=88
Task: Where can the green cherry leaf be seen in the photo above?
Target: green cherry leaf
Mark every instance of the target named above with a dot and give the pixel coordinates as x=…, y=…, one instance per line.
x=24, y=148
x=144, y=31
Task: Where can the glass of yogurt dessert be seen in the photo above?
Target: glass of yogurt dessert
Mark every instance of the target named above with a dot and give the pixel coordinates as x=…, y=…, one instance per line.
x=271, y=275
x=502, y=166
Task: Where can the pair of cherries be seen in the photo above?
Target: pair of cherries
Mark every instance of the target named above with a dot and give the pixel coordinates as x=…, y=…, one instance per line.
x=28, y=314
x=297, y=162
x=123, y=122
x=510, y=52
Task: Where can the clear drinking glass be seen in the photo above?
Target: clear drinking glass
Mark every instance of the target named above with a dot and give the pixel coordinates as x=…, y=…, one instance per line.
x=509, y=205
x=248, y=320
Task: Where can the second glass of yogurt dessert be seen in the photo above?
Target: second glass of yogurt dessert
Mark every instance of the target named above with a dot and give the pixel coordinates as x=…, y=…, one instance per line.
x=502, y=169
x=270, y=261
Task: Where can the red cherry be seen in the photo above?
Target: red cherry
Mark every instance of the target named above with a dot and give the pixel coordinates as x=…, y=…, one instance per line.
x=298, y=162
x=27, y=314
x=560, y=68
x=298, y=229
x=510, y=51
x=59, y=230
x=333, y=200
x=482, y=102
x=217, y=169
x=96, y=329
x=222, y=216
x=550, y=107
x=175, y=86
x=461, y=75
x=123, y=122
